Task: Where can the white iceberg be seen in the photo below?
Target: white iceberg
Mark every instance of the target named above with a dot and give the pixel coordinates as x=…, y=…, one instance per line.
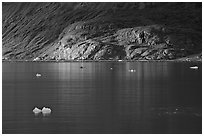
x=46, y=110
x=194, y=67
x=36, y=110
x=132, y=70
x=38, y=75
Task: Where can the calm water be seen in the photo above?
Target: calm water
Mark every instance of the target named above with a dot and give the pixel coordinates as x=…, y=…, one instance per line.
x=159, y=97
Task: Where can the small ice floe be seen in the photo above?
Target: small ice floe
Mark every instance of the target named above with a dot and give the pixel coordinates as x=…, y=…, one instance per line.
x=46, y=110
x=132, y=70
x=38, y=75
x=176, y=111
x=81, y=67
x=194, y=67
x=36, y=110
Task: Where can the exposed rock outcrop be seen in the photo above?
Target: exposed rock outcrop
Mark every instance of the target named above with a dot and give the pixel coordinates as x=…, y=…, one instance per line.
x=101, y=31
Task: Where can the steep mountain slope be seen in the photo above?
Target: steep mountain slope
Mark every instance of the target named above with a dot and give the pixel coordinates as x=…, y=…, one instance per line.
x=101, y=31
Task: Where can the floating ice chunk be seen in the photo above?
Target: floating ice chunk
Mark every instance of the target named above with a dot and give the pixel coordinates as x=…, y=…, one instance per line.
x=36, y=110
x=46, y=110
x=38, y=75
x=194, y=67
x=132, y=70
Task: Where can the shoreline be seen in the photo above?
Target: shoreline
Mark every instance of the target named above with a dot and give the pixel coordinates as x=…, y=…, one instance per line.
x=62, y=61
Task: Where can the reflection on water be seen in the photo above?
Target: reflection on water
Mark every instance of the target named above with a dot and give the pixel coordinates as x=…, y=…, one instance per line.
x=104, y=97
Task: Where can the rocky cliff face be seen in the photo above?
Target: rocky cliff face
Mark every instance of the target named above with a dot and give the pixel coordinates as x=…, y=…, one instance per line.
x=101, y=31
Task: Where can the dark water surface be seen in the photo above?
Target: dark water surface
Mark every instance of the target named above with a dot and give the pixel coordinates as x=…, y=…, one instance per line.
x=159, y=97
